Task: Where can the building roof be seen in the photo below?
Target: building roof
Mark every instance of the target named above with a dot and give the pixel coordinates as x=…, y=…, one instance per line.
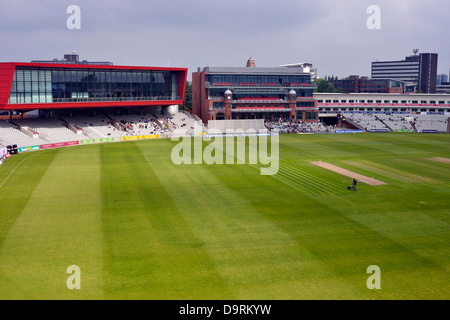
x=86, y=66
x=254, y=70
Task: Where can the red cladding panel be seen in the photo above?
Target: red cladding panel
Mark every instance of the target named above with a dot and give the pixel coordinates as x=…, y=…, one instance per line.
x=6, y=77
x=7, y=74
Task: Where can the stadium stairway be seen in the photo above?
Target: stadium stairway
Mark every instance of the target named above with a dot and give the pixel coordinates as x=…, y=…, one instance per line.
x=353, y=124
x=383, y=122
x=117, y=124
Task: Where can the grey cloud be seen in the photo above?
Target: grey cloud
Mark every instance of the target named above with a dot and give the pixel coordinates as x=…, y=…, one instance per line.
x=329, y=33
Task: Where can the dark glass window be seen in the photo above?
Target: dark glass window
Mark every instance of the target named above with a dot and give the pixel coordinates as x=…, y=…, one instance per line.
x=46, y=85
x=310, y=115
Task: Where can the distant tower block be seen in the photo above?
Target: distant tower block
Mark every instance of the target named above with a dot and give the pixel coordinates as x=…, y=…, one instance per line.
x=251, y=63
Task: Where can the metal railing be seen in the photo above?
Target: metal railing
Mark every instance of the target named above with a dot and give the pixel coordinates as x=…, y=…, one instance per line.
x=116, y=99
x=261, y=101
x=103, y=99
x=257, y=84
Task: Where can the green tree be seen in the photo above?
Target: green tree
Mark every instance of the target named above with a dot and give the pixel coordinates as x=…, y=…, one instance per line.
x=324, y=86
x=327, y=85
x=188, y=96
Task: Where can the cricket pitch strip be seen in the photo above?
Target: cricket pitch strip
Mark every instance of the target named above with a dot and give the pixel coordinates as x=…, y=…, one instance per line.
x=348, y=173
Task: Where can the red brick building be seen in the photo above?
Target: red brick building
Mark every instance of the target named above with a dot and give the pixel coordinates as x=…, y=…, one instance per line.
x=357, y=84
x=225, y=93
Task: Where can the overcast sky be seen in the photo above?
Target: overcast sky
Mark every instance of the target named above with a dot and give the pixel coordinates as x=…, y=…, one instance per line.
x=330, y=34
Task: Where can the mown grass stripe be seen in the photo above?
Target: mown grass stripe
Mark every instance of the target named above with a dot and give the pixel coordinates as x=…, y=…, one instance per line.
x=311, y=183
x=303, y=180
x=410, y=176
x=246, y=248
x=426, y=169
x=313, y=219
x=308, y=173
x=150, y=251
x=372, y=171
x=20, y=180
x=58, y=227
x=227, y=232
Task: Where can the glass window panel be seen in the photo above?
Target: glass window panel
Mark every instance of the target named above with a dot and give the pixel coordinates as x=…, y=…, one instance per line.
x=76, y=76
x=27, y=75
x=68, y=76
x=42, y=75
x=27, y=97
x=127, y=76
x=14, y=85
x=19, y=75
x=41, y=87
x=42, y=98
x=229, y=79
x=35, y=87
x=56, y=76
x=20, y=86
x=117, y=77
x=217, y=78
x=20, y=98
x=35, y=75
x=91, y=77
x=160, y=77
x=27, y=87
x=174, y=86
x=148, y=77
x=84, y=76
x=12, y=98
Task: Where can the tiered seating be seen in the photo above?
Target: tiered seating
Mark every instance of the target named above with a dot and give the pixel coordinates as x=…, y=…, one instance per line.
x=183, y=123
x=54, y=130
x=396, y=121
x=96, y=127
x=139, y=124
x=425, y=122
x=367, y=121
x=51, y=130
x=9, y=136
x=400, y=121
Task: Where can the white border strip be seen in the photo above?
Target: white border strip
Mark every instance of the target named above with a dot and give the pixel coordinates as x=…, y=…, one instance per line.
x=6, y=179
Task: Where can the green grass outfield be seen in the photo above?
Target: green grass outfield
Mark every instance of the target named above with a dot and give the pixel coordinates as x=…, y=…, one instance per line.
x=140, y=227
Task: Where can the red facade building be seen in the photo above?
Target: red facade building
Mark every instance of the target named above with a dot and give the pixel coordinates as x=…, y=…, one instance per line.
x=226, y=93
x=43, y=86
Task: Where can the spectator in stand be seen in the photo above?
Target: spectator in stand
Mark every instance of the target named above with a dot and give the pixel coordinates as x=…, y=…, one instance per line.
x=295, y=126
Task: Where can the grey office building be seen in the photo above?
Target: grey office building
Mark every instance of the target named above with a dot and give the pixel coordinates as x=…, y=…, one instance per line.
x=418, y=70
